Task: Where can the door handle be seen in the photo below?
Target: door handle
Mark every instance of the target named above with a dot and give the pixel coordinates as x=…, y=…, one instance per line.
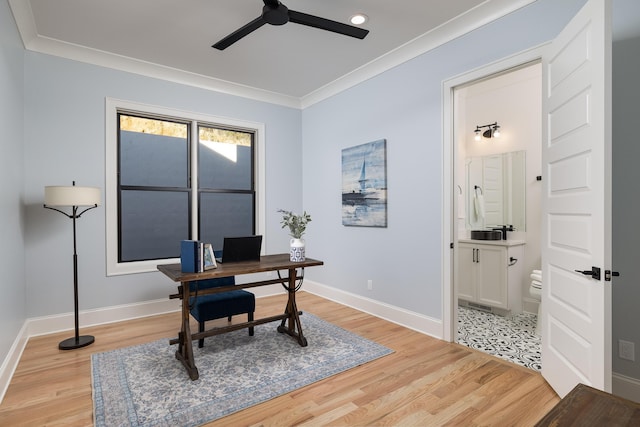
x=594, y=272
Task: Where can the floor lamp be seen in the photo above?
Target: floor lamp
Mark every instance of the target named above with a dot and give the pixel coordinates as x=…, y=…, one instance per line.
x=75, y=198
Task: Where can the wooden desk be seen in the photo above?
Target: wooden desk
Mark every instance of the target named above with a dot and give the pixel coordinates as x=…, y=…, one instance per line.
x=585, y=406
x=290, y=318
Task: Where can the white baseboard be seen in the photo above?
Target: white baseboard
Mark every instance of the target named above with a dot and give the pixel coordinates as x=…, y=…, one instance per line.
x=626, y=387
x=623, y=386
x=64, y=322
x=118, y=313
x=408, y=319
x=10, y=363
x=529, y=305
x=44, y=325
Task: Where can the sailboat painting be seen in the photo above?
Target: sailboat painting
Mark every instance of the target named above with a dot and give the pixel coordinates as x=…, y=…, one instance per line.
x=364, y=185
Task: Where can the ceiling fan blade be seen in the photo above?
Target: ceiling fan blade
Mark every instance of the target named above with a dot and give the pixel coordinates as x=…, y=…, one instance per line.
x=240, y=33
x=327, y=24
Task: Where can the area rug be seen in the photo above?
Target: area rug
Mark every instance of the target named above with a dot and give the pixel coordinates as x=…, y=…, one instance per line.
x=145, y=385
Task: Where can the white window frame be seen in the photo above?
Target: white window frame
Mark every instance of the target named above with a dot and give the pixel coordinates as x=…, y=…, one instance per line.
x=112, y=107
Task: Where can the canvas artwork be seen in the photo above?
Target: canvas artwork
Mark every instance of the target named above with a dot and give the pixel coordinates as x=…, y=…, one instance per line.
x=364, y=185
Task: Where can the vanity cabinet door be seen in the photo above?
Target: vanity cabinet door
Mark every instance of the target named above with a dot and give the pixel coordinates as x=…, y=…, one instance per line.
x=467, y=272
x=491, y=275
x=482, y=274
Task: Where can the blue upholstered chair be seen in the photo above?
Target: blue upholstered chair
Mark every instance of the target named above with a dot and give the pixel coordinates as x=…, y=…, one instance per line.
x=218, y=306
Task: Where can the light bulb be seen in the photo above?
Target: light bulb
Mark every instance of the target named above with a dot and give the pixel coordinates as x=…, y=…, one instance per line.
x=358, y=19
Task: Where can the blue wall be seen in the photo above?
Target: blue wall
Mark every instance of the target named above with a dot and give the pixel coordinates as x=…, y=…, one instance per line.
x=52, y=116
x=65, y=141
x=12, y=279
x=403, y=105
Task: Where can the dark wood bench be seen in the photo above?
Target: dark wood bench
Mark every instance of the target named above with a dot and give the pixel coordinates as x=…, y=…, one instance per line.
x=586, y=406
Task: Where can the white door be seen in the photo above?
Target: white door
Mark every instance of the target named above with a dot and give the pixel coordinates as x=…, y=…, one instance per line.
x=576, y=224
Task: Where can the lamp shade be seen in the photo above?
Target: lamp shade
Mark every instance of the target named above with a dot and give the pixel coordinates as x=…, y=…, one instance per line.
x=71, y=196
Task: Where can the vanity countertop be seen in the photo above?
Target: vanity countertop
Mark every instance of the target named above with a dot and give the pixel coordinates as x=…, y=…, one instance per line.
x=508, y=242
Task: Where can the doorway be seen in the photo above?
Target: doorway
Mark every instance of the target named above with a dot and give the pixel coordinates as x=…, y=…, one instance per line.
x=496, y=184
x=576, y=106
x=456, y=129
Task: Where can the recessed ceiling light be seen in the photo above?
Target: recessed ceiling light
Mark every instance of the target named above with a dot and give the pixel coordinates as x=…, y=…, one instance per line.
x=358, y=19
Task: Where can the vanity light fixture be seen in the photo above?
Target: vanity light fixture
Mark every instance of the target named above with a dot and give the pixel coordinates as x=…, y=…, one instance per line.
x=493, y=131
x=358, y=19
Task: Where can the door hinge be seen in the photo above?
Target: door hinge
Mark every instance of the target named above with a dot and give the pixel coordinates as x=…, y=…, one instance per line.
x=609, y=273
x=594, y=272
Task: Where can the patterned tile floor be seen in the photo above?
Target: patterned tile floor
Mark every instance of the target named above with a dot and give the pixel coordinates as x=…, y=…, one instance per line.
x=508, y=337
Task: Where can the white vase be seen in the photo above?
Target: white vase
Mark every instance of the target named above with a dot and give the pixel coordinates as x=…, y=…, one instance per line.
x=297, y=250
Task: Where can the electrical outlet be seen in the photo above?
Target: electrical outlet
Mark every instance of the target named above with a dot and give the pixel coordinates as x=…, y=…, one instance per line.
x=369, y=284
x=626, y=350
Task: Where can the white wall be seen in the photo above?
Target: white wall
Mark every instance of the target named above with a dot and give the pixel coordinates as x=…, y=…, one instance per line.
x=12, y=279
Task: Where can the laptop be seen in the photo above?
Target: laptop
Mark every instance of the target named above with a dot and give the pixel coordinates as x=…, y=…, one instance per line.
x=237, y=249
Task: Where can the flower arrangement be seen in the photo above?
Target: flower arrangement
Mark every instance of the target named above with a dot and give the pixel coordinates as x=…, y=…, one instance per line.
x=297, y=223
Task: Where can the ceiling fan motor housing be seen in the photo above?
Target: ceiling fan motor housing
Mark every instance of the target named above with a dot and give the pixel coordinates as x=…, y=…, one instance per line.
x=275, y=15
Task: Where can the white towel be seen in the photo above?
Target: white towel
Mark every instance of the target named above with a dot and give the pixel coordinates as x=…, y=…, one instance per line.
x=536, y=284
x=538, y=272
x=537, y=277
x=478, y=203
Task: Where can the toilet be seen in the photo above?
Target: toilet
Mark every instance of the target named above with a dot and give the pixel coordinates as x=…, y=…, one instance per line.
x=535, y=290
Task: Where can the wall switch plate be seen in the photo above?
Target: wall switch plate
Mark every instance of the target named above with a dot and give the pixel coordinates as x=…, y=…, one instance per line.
x=626, y=350
x=369, y=284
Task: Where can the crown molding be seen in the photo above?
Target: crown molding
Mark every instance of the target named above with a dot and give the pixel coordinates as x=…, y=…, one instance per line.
x=32, y=41
x=475, y=18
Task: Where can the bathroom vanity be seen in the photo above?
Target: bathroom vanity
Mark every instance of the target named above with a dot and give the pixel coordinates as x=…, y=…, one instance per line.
x=490, y=274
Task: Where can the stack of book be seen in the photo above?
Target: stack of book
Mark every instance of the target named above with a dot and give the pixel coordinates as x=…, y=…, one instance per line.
x=196, y=257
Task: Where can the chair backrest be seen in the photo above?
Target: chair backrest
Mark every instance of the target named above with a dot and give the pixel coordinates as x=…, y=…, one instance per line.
x=212, y=283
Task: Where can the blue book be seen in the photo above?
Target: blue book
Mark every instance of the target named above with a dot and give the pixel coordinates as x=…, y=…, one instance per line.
x=189, y=259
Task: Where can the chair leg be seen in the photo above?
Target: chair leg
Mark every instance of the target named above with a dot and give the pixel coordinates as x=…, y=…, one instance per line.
x=200, y=329
x=250, y=319
x=229, y=319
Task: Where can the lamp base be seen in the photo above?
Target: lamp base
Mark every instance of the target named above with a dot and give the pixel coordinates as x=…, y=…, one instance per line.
x=73, y=343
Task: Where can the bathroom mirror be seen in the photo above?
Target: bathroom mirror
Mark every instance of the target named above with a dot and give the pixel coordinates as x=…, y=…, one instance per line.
x=495, y=191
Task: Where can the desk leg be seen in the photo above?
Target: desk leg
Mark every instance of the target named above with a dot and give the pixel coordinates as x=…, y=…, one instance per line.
x=292, y=312
x=185, y=347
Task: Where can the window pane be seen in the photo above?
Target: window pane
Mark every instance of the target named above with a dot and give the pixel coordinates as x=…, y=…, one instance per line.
x=225, y=215
x=225, y=159
x=153, y=152
x=152, y=224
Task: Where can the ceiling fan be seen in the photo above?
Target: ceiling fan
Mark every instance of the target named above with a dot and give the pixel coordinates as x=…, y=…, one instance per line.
x=275, y=13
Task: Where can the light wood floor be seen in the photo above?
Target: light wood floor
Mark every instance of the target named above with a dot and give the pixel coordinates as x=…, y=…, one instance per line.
x=426, y=382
